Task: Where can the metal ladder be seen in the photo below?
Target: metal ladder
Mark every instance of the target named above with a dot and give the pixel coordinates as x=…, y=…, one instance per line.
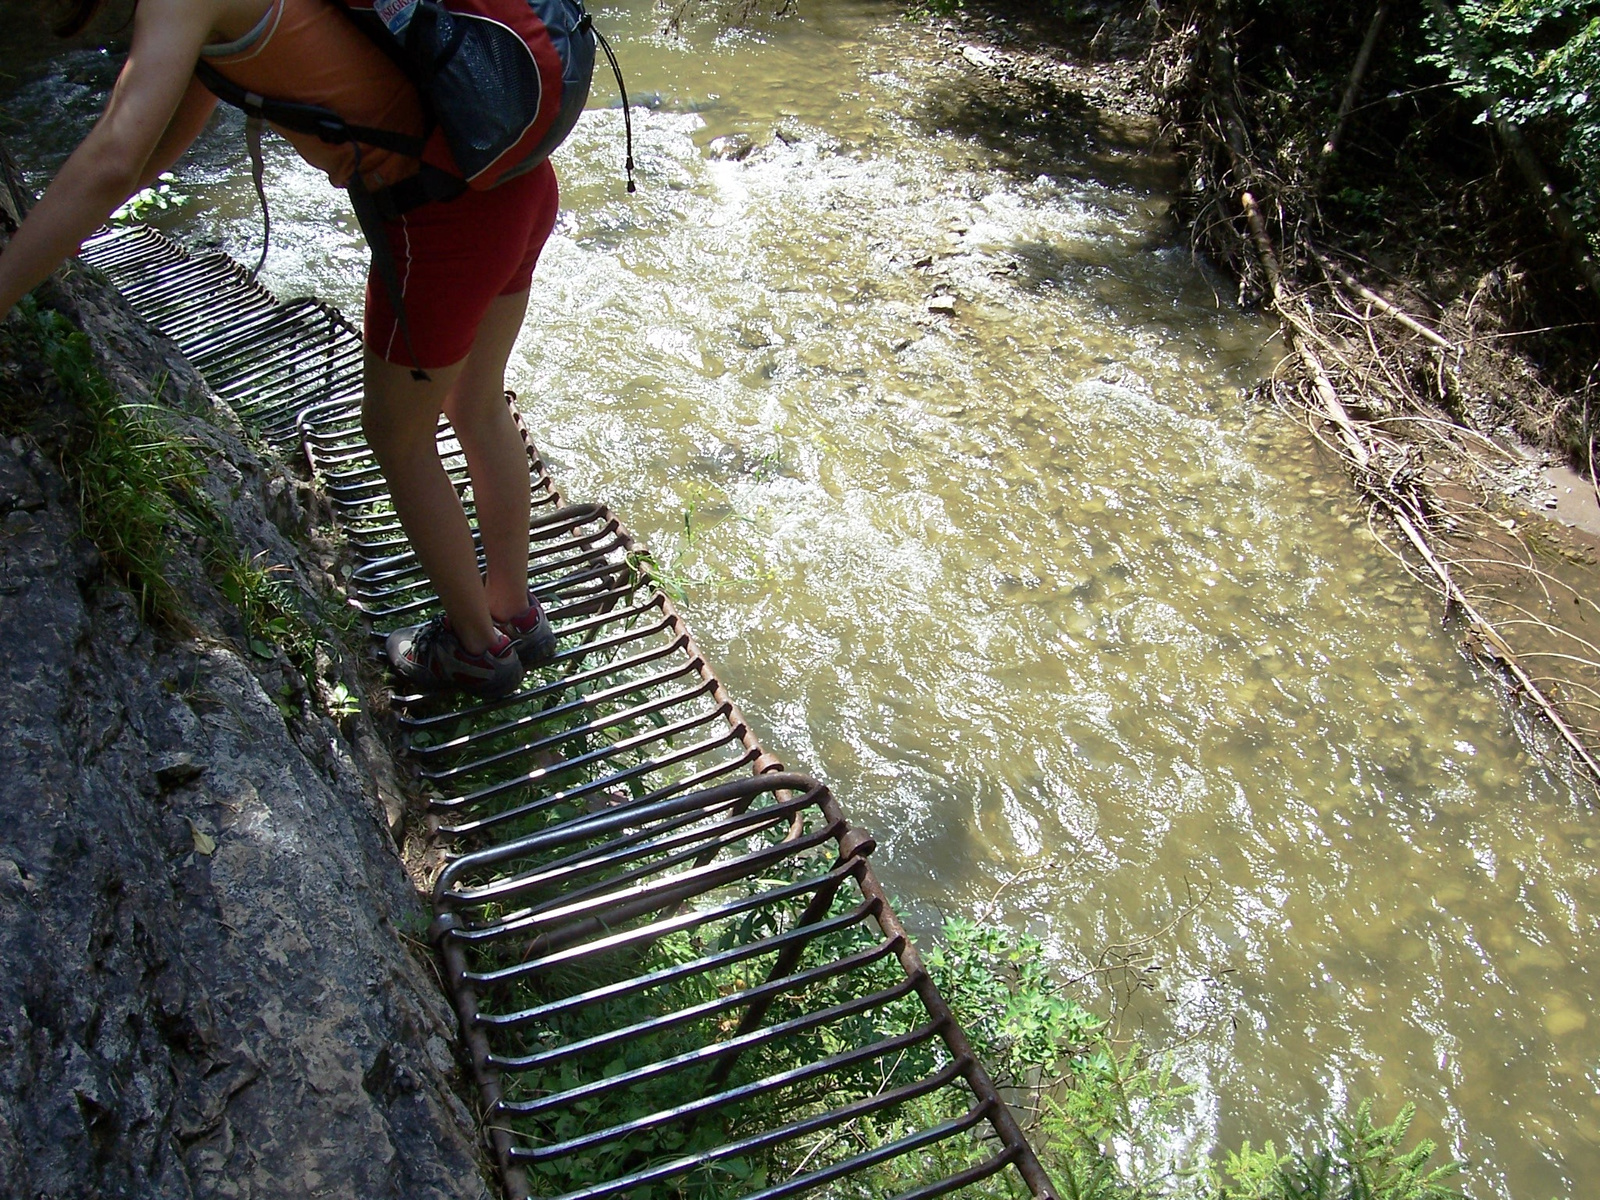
x=675, y=972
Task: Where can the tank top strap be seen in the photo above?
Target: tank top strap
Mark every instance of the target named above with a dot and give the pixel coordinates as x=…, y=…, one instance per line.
x=260, y=34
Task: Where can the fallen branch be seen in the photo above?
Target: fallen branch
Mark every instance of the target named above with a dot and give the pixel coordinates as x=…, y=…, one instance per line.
x=1352, y=89
x=1378, y=302
x=1299, y=329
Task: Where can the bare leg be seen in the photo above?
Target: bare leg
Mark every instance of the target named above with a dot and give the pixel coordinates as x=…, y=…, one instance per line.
x=399, y=415
x=496, y=458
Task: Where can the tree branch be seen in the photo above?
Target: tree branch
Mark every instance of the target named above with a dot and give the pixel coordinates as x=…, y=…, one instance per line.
x=1353, y=88
x=1527, y=161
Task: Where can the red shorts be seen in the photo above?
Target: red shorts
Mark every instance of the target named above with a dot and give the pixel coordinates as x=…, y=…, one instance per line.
x=453, y=258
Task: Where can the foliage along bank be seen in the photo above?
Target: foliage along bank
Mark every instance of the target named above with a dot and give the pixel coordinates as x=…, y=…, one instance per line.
x=1107, y=1111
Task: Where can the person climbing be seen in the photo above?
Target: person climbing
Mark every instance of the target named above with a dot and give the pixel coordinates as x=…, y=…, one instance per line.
x=463, y=267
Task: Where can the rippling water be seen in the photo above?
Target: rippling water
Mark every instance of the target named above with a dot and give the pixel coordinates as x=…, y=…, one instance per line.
x=947, y=442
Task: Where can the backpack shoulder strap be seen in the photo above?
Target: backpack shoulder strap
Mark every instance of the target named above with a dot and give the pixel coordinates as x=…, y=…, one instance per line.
x=305, y=118
x=370, y=217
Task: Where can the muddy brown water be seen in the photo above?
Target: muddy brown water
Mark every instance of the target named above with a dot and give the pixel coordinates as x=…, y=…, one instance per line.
x=946, y=440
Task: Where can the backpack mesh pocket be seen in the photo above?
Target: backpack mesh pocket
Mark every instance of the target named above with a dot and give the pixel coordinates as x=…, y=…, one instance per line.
x=468, y=58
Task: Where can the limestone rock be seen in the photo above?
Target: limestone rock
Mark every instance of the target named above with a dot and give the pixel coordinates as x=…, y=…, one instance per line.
x=243, y=1022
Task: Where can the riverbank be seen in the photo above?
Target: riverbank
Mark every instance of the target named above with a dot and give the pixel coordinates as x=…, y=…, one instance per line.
x=1479, y=412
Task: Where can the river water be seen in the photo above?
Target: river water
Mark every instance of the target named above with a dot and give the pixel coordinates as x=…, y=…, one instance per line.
x=947, y=443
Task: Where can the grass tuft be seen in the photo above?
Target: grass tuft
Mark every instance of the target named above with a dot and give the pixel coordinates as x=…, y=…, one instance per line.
x=137, y=482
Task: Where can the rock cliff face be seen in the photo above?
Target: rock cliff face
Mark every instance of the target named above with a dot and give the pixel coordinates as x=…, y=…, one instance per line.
x=210, y=978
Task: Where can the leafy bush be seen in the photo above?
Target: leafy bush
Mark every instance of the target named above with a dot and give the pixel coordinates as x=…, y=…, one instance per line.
x=1542, y=58
x=1003, y=995
x=1104, y=1126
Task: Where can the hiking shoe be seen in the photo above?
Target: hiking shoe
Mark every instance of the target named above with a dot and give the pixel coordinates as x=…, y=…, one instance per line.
x=530, y=632
x=430, y=657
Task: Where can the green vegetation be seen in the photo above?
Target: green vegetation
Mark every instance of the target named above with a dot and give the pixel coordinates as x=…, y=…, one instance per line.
x=1107, y=1108
x=139, y=490
x=1541, y=59
x=276, y=615
x=135, y=481
x=159, y=197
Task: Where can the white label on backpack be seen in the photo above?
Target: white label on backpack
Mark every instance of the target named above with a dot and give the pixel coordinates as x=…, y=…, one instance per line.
x=396, y=14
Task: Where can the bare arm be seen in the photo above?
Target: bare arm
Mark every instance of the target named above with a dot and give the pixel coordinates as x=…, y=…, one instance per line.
x=194, y=110
x=107, y=167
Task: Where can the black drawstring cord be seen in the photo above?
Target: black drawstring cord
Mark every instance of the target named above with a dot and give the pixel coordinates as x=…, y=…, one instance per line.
x=252, y=139
x=627, y=117
x=370, y=219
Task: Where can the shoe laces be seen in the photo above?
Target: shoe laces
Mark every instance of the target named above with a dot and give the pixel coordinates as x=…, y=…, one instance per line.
x=431, y=630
